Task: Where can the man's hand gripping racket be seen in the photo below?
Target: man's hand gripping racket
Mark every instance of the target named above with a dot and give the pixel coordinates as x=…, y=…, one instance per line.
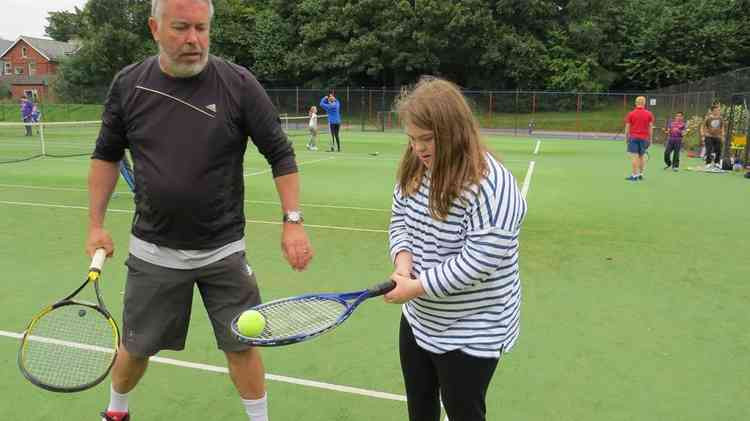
x=71, y=345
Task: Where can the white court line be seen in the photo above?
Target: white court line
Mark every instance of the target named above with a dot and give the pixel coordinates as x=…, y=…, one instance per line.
x=527, y=179
x=298, y=164
x=223, y=370
x=538, y=145
x=261, y=202
x=252, y=221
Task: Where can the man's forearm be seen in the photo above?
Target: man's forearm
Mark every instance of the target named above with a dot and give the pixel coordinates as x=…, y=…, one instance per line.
x=102, y=181
x=288, y=188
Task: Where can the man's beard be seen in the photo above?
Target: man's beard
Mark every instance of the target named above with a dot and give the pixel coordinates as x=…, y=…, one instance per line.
x=181, y=70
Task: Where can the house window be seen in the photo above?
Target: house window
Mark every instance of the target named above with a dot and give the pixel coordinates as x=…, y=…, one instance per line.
x=23, y=52
x=19, y=70
x=7, y=69
x=32, y=67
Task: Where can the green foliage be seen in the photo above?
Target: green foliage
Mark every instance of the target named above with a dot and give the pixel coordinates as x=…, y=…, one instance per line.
x=113, y=34
x=85, y=76
x=5, y=92
x=64, y=26
x=565, y=45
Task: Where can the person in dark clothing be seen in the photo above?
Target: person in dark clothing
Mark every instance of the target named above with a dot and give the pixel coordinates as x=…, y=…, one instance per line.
x=185, y=116
x=27, y=108
x=676, y=130
x=333, y=109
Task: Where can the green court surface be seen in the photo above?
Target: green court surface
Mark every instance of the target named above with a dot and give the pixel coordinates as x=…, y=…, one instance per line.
x=634, y=294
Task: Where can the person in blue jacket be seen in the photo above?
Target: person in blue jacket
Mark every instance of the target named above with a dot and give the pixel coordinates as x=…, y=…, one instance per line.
x=26, y=108
x=332, y=107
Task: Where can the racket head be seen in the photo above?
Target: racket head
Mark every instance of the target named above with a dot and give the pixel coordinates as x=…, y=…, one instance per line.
x=296, y=319
x=69, y=347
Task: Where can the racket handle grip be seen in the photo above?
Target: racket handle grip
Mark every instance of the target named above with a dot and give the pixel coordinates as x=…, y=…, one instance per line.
x=98, y=260
x=382, y=289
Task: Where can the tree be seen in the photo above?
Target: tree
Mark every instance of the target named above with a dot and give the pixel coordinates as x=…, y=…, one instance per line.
x=64, y=26
x=113, y=34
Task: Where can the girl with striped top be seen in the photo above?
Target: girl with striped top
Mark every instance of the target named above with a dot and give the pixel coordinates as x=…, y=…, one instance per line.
x=454, y=229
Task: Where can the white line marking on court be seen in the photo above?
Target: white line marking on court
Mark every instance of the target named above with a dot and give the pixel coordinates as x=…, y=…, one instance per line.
x=260, y=202
x=298, y=164
x=527, y=179
x=252, y=221
x=223, y=370
x=538, y=145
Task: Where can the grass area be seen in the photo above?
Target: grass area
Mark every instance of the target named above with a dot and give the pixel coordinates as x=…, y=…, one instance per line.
x=55, y=112
x=634, y=299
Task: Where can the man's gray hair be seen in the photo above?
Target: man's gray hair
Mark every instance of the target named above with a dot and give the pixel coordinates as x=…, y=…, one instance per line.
x=157, y=5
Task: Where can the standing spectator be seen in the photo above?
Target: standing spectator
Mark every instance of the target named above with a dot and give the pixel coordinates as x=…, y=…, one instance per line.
x=639, y=126
x=36, y=115
x=26, y=111
x=712, y=133
x=313, y=126
x=676, y=130
x=332, y=107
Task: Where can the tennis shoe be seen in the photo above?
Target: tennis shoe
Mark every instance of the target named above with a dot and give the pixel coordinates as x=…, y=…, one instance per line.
x=640, y=177
x=632, y=178
x=115, y=416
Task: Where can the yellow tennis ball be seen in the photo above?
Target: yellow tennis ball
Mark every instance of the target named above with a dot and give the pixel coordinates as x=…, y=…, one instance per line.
x=251, y=323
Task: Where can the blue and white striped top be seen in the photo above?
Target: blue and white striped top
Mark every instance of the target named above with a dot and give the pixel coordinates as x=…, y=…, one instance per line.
x=468, y=265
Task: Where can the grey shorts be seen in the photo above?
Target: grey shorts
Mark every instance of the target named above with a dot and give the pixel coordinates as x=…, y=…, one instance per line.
x=158, y=302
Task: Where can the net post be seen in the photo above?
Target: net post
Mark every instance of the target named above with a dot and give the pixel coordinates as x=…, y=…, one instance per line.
x=41, y=139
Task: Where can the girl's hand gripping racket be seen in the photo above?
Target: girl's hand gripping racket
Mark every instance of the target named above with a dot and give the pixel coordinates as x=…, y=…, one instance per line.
x=71, y=345
x=296, y=319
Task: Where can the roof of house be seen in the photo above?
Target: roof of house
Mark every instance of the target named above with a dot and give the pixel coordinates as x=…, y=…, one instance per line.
x=5, y=44
x=50, y=49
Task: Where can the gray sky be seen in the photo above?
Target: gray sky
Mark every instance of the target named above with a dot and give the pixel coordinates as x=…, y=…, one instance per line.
x=29, y=17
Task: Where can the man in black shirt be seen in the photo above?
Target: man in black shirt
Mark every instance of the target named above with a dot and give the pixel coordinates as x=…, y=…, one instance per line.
x=186, y=116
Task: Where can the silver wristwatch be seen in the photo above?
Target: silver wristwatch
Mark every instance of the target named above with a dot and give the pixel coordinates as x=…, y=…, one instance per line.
x=293, y=217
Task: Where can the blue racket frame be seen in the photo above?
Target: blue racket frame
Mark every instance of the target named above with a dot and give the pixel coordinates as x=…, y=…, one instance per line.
x=350, y=300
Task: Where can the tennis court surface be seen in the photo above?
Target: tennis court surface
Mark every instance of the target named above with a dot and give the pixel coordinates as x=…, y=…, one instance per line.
x=634, y=294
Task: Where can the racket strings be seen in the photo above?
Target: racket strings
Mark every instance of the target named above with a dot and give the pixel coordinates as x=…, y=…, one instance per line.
x=69, y=347
x=302, y=316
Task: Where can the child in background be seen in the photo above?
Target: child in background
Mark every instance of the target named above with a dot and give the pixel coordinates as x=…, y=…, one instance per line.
x=35, y=116
x=676, y=130
x=313, y=125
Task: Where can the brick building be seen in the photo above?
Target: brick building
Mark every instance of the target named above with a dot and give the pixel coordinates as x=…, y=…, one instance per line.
x=29, y=65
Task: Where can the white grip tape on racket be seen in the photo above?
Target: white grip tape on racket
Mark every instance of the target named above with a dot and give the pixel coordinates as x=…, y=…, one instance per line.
x=98, y=260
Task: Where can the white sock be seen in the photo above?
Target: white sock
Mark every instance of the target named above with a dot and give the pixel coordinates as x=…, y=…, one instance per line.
x=117, y=401
x=257, y=410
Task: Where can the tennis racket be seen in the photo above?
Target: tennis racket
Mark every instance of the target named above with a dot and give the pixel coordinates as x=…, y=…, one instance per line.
x=296, y=319
x=71, y=345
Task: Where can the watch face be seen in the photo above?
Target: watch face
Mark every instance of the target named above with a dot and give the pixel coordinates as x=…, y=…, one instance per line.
x=294, y=216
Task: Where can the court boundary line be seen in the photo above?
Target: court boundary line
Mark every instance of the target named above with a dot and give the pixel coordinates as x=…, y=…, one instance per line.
x=275, y=377
x=128, y=211
x=538, y=145
x=261, y=202
x=527, y=179
x=299, y=164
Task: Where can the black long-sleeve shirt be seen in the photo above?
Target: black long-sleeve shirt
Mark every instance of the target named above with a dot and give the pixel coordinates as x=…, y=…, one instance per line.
x=187, y=137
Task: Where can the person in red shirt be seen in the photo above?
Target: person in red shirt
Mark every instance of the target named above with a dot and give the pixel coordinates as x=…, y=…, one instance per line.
x=639, y=126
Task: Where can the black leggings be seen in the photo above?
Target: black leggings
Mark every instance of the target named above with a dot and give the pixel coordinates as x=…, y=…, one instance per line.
x=335, y=136
x=713, y=146
x=672, y=154
x=461, y=380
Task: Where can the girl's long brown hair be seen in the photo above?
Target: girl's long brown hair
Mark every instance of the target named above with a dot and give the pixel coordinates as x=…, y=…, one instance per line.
x=459, y=158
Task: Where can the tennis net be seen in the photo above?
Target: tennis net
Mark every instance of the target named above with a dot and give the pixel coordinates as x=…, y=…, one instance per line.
x=24, y=141
x=299, y=126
